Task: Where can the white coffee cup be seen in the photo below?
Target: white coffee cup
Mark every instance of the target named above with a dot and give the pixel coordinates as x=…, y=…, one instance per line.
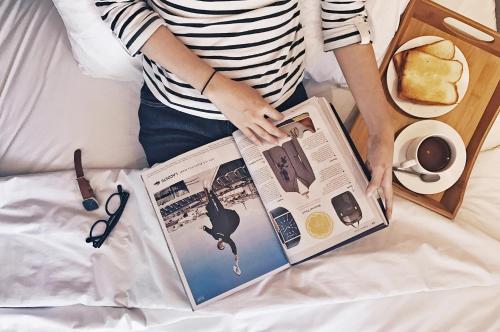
x=447, y=158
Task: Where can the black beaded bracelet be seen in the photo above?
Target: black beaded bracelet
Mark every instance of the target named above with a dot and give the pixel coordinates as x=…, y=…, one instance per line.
x=208, y=81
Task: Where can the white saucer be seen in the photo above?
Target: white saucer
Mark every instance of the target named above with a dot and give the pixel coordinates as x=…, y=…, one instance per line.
x=421, y=129
x=419, y=110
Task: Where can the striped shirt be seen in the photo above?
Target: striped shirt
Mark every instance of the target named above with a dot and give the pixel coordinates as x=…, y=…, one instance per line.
x=259, y=42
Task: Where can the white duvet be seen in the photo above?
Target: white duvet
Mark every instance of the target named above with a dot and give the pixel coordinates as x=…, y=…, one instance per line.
x=421, y=257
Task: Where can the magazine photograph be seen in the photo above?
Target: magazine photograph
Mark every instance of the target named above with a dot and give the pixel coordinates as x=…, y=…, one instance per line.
x=219, y=230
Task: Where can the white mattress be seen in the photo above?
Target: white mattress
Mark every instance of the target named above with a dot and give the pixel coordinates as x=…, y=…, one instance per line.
x=423, y=273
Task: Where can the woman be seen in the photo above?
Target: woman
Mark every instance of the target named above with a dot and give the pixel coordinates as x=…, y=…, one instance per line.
x=211, y=67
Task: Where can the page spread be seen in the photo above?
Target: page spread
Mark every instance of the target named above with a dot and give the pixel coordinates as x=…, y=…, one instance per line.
x=311, y=184
x=215, y=225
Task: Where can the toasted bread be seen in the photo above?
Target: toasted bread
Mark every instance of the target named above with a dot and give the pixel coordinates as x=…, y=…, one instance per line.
x=427, y=79
x=443, y=49
x=398, y=59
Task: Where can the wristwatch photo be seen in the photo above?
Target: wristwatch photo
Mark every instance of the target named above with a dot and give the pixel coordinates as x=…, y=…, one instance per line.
x=286, y=227
x=89, y=201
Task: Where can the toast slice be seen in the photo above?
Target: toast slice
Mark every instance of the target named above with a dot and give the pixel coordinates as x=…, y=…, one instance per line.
x=443, y=49
x=398, y=60
x=427, y=79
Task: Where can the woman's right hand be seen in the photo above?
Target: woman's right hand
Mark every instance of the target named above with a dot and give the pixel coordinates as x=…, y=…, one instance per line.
x=245, y=108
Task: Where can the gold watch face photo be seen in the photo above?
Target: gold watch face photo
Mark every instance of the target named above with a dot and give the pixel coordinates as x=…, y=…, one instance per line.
x=319, y=225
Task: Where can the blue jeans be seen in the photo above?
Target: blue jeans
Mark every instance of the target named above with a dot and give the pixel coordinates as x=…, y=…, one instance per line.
x=166, y=133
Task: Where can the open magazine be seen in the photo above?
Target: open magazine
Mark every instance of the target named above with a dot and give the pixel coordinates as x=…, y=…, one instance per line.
x=233, y=212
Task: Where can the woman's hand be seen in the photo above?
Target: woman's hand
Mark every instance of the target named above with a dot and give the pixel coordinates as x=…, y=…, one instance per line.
x=360, y=68
x=241, y=104
x=245, y=108
x=379, y=162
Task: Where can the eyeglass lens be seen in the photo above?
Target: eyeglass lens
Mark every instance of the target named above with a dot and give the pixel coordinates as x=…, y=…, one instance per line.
x=113, y=203
x=98, y=228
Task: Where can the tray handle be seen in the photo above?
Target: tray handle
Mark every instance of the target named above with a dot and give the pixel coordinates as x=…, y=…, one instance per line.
x=455, y=24
x=467, y=30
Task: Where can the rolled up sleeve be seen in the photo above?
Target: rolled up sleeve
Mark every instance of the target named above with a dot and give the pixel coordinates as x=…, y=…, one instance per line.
x=344, y=23
x=132, y=21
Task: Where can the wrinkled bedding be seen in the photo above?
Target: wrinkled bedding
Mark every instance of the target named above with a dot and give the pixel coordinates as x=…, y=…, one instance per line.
x=424, y=272
x=421, y=257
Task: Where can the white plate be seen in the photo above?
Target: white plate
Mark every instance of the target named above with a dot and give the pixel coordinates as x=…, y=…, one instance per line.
x=419, y=110
x=421, y=129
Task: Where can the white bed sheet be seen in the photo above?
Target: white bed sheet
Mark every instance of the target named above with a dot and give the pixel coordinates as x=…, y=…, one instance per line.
x=48, y=108
x=418, y=262
x=472, y=309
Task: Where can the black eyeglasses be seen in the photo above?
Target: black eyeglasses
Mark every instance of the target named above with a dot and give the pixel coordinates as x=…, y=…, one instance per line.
x=114, y=208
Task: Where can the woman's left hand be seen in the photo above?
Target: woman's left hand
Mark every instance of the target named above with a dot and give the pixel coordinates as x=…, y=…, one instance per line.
x=379, y=162
x=360, y=69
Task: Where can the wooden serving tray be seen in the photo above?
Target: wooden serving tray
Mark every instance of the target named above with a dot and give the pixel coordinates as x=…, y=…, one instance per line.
x=475, y=114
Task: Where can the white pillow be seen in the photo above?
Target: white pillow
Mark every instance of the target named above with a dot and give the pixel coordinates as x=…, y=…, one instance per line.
x=94, y=47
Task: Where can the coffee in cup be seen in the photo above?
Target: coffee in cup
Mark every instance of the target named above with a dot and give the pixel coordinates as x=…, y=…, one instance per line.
x=430, y=154
x=434, y=154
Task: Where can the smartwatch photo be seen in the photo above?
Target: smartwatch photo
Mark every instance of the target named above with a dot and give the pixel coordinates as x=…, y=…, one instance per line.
x=89, y=201
x=286, y=227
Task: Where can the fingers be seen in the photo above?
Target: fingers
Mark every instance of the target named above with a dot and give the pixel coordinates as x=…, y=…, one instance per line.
x=255, y=133
x=259, y=131
x=382, y=178
x=377, y=175
x=388, y=193
x=263, y=128
x=260, y=128
x=271, y=128
x=272, y=113
x=368, y=165
x=251, y=136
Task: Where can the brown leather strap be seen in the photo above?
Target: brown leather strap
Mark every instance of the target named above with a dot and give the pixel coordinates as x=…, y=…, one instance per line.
x=78, y=163
x=83, y=183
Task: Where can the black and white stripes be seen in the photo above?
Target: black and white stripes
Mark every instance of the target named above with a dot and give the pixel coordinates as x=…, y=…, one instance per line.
x=259, y=42
x=344, y=23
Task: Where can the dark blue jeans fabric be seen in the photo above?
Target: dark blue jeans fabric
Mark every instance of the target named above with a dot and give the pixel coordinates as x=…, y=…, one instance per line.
x=166, y=133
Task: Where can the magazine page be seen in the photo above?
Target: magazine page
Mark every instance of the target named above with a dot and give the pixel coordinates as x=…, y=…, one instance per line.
x=215, y=225
x=310, y=183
